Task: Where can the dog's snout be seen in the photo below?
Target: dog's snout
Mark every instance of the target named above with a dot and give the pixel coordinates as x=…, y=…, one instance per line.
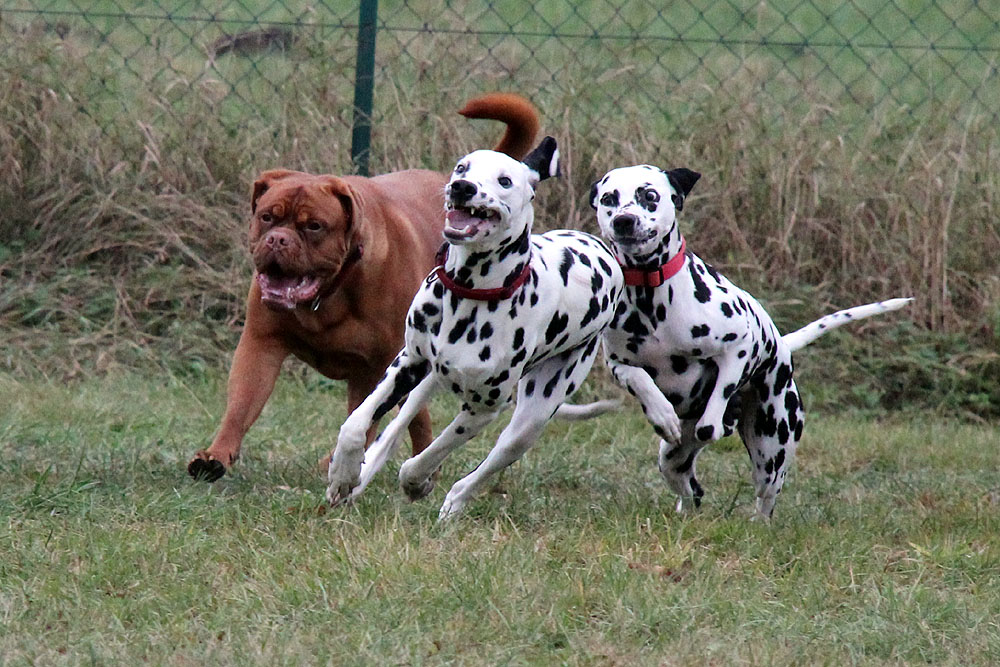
x=461, y=191
x=624, y=224
x=277, y=239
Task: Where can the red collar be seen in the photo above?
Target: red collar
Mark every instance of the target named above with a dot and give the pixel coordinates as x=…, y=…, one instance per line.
x=352, y=258
x=658, y=276
x=493, y=294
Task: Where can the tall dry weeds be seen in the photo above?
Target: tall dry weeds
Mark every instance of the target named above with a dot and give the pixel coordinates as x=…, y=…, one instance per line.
x=124, y=244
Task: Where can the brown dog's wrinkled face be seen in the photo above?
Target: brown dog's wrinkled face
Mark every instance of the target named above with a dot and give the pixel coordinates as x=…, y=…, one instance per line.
x=300, y=234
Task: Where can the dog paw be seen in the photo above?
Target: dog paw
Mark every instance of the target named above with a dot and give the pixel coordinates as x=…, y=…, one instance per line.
x=415, y=490
x=454, y=503
x=205, y=467
x=339, y=494
x=450, y=509
x=343, y=476
x=413, y=484
x=666, y=424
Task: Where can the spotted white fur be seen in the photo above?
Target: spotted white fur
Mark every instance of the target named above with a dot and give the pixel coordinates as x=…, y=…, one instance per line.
x=539, y=343
x=697, y=346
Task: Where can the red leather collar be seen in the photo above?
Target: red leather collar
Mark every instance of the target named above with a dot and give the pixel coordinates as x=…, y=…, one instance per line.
x=658, y=276
x=493, y=294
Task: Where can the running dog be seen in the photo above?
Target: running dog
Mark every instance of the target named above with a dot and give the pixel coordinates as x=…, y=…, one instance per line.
x=691, y=345
x=505, y=311
x=337, y=260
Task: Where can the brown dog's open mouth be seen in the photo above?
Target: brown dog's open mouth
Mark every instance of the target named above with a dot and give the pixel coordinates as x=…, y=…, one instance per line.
x=283, y=291
x=463, y=222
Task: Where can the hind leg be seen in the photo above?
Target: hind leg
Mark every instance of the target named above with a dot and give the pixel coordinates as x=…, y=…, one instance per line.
x=677, y=465
x=539, y=394
x=416, y=475
x=771, y=427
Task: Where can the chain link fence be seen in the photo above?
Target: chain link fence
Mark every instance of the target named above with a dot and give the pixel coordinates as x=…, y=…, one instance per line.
x=849, y=151
x=593, y=62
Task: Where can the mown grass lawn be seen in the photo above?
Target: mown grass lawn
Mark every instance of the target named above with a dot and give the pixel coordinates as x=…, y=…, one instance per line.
x=884, y=549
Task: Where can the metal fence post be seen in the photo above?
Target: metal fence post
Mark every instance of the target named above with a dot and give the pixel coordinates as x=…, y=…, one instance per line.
x=364, y=76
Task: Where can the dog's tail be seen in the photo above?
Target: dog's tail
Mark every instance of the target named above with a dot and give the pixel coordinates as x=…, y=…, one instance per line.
x=578, y=412
x=518, y=113
x=810, y=332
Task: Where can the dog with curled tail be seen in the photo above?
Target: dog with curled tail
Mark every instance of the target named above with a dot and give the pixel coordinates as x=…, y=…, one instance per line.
x=505, y=313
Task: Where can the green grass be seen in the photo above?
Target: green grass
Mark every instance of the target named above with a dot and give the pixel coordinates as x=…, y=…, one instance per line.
x=884, y=548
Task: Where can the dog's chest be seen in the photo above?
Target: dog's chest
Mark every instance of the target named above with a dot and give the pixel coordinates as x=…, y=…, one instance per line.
x=475, y=347
x=682, y=331
x=484, y=345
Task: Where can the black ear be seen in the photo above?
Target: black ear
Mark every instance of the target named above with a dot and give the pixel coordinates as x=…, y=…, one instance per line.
x=544, y=160
x=682, y=180
x=593, y=195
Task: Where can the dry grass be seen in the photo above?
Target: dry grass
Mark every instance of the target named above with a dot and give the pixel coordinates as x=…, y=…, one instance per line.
x=125, y=245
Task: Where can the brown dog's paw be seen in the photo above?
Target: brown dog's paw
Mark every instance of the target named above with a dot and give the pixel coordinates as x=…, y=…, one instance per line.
x=203, y=467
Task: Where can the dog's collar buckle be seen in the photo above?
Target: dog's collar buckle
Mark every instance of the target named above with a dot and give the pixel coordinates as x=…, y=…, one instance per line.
x=493, y=294
x=659, y=275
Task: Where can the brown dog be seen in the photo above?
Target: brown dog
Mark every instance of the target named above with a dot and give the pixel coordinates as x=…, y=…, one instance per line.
x=337, y=261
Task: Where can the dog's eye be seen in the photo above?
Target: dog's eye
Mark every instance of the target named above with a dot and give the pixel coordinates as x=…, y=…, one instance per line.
x=505, y=182
x=266, y=218
x=607, y=199
x=651, y=196
x=460, y=169
x=313, y=226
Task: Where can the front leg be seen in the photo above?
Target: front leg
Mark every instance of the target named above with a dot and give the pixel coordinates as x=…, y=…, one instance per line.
x=345, y=463
x=386, y=443
x=655, y=406
x=256, y=364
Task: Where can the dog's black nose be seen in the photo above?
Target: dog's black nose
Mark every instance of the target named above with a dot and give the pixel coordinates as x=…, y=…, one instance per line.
x=624, y=224
x=462, y=191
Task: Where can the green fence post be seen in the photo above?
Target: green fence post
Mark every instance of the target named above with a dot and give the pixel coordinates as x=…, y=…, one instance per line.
x=364, y=76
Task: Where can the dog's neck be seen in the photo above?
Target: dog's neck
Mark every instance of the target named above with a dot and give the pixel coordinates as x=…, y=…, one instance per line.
x=668, y=248
x=490, y=268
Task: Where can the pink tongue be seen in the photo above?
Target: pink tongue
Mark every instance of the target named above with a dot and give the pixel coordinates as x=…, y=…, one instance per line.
x=458, y=219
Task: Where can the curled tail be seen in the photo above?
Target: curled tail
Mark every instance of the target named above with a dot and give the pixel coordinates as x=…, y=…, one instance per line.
x=518, y=113
x=810, y=332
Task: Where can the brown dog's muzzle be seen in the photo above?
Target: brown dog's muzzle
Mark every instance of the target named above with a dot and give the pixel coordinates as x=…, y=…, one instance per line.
x=282, y=275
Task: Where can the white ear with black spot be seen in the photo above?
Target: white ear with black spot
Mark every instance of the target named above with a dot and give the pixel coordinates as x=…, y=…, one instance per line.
x=681, y=180
x=544, y=160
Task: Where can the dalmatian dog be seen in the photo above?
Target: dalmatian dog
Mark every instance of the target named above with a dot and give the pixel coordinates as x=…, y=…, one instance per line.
x=688, y=343
x=505, y=312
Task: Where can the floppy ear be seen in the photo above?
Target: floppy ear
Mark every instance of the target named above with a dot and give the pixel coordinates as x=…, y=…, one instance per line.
x=349, y=199
x=544, y=160
x=593, y=195
x=681, y=180
x=265, y=181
